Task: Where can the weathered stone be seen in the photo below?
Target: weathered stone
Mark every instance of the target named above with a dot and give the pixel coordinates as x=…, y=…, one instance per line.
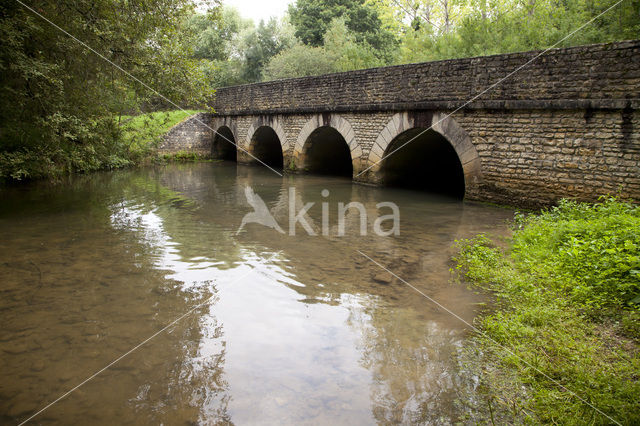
x=565, y=126
x=191, y=135
x=382, y=278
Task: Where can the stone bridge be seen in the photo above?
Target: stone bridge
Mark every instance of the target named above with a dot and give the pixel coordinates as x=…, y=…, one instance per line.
x=523, y=128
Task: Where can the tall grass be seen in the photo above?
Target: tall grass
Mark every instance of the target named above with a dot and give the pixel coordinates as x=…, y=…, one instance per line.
x=561, y=344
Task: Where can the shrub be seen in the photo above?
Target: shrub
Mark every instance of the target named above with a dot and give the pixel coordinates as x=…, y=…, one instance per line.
x=538, y=357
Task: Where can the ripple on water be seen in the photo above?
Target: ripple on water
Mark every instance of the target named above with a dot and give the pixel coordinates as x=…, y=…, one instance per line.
x=291, y=329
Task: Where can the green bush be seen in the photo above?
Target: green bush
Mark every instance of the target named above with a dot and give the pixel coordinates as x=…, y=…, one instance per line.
x=182, y=156
x=560, y=345
x=590, y=252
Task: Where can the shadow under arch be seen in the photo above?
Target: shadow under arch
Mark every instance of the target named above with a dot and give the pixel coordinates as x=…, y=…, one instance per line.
x=223, y=146
x=429, y=162
x=265, y=145
x=326, y=152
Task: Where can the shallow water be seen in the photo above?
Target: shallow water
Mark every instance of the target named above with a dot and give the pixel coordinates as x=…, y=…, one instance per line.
x=272, y=328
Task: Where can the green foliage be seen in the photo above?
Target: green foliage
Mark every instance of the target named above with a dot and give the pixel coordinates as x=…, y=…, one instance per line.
x=217, y=33
x=347, y=54
x=356, y=34
x=182, y=156
x=220, y=45
x=233, y=50
x=589, y=252
x=344, y=35
x=563, y=330
x=264, y=43
x=299, y=61
x=476, y=28
x=224, y=73
x=340, y=52
x=61, y=101
x=311, y=19
x=143, y=133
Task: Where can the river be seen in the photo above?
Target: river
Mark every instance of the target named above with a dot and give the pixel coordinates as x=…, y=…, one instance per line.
x=238, y=326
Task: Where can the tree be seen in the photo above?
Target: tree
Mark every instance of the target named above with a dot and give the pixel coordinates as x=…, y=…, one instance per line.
x=311, y=19
x=220, y=45
x=60, y=99
x=299, y=61
x=262, y=44
x=340, y=52
x=483, y=27
x=347, y=54
x=217, y=34
x=233, y=50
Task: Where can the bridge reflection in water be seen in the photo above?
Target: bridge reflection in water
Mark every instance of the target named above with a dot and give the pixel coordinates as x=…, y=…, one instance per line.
x=314, y=334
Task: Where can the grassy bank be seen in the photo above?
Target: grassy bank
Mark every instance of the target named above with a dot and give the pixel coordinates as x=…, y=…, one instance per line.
x=142, y=133
x=106, y=144
x=564, y=334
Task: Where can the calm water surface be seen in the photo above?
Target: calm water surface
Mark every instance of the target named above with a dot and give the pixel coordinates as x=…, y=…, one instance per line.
x=293, y=330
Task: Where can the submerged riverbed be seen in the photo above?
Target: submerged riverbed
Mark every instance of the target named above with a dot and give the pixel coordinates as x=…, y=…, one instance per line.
x=278, y=328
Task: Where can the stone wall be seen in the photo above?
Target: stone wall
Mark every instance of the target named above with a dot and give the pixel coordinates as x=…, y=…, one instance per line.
x=524, y=157
x=566, y=126
x=192, y=135
x=595, y=76
x=537, y=157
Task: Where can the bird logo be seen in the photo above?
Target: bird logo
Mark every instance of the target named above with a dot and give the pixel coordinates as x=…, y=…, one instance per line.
x=260, y=213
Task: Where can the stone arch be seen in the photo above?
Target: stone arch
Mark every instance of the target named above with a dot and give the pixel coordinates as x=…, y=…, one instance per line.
x=442, y=124
x=223, y=140
x=336, y=122
x=269, y=121
x=229, y=122
x=266, y=148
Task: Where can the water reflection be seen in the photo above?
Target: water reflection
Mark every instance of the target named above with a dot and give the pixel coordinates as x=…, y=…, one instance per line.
x=296, y=329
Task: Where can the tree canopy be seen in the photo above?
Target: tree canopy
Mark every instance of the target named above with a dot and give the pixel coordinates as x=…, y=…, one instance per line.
x=312, y=18
x=60, y=98
x=446, y=29
x=264, y=43
x=320, y=36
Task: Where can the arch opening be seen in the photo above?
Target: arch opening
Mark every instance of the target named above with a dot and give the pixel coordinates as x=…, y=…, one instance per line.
x=427, y=163
x=223, y=149
x=267, y=148
x=327, y=153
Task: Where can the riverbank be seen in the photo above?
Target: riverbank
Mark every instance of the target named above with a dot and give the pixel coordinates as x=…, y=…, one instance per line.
x=126, y=141
x=144, y=134
x=562, y=344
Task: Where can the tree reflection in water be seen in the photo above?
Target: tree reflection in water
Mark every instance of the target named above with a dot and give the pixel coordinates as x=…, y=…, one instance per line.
x=317, y=334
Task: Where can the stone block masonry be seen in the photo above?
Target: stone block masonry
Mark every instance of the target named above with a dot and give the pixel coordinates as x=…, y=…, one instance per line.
x=602, y=75
x=192, y=135
x=567, y=125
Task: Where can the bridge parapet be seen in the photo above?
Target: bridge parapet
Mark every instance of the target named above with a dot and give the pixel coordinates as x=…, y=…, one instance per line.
x=594, y=76
x=565, y=125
